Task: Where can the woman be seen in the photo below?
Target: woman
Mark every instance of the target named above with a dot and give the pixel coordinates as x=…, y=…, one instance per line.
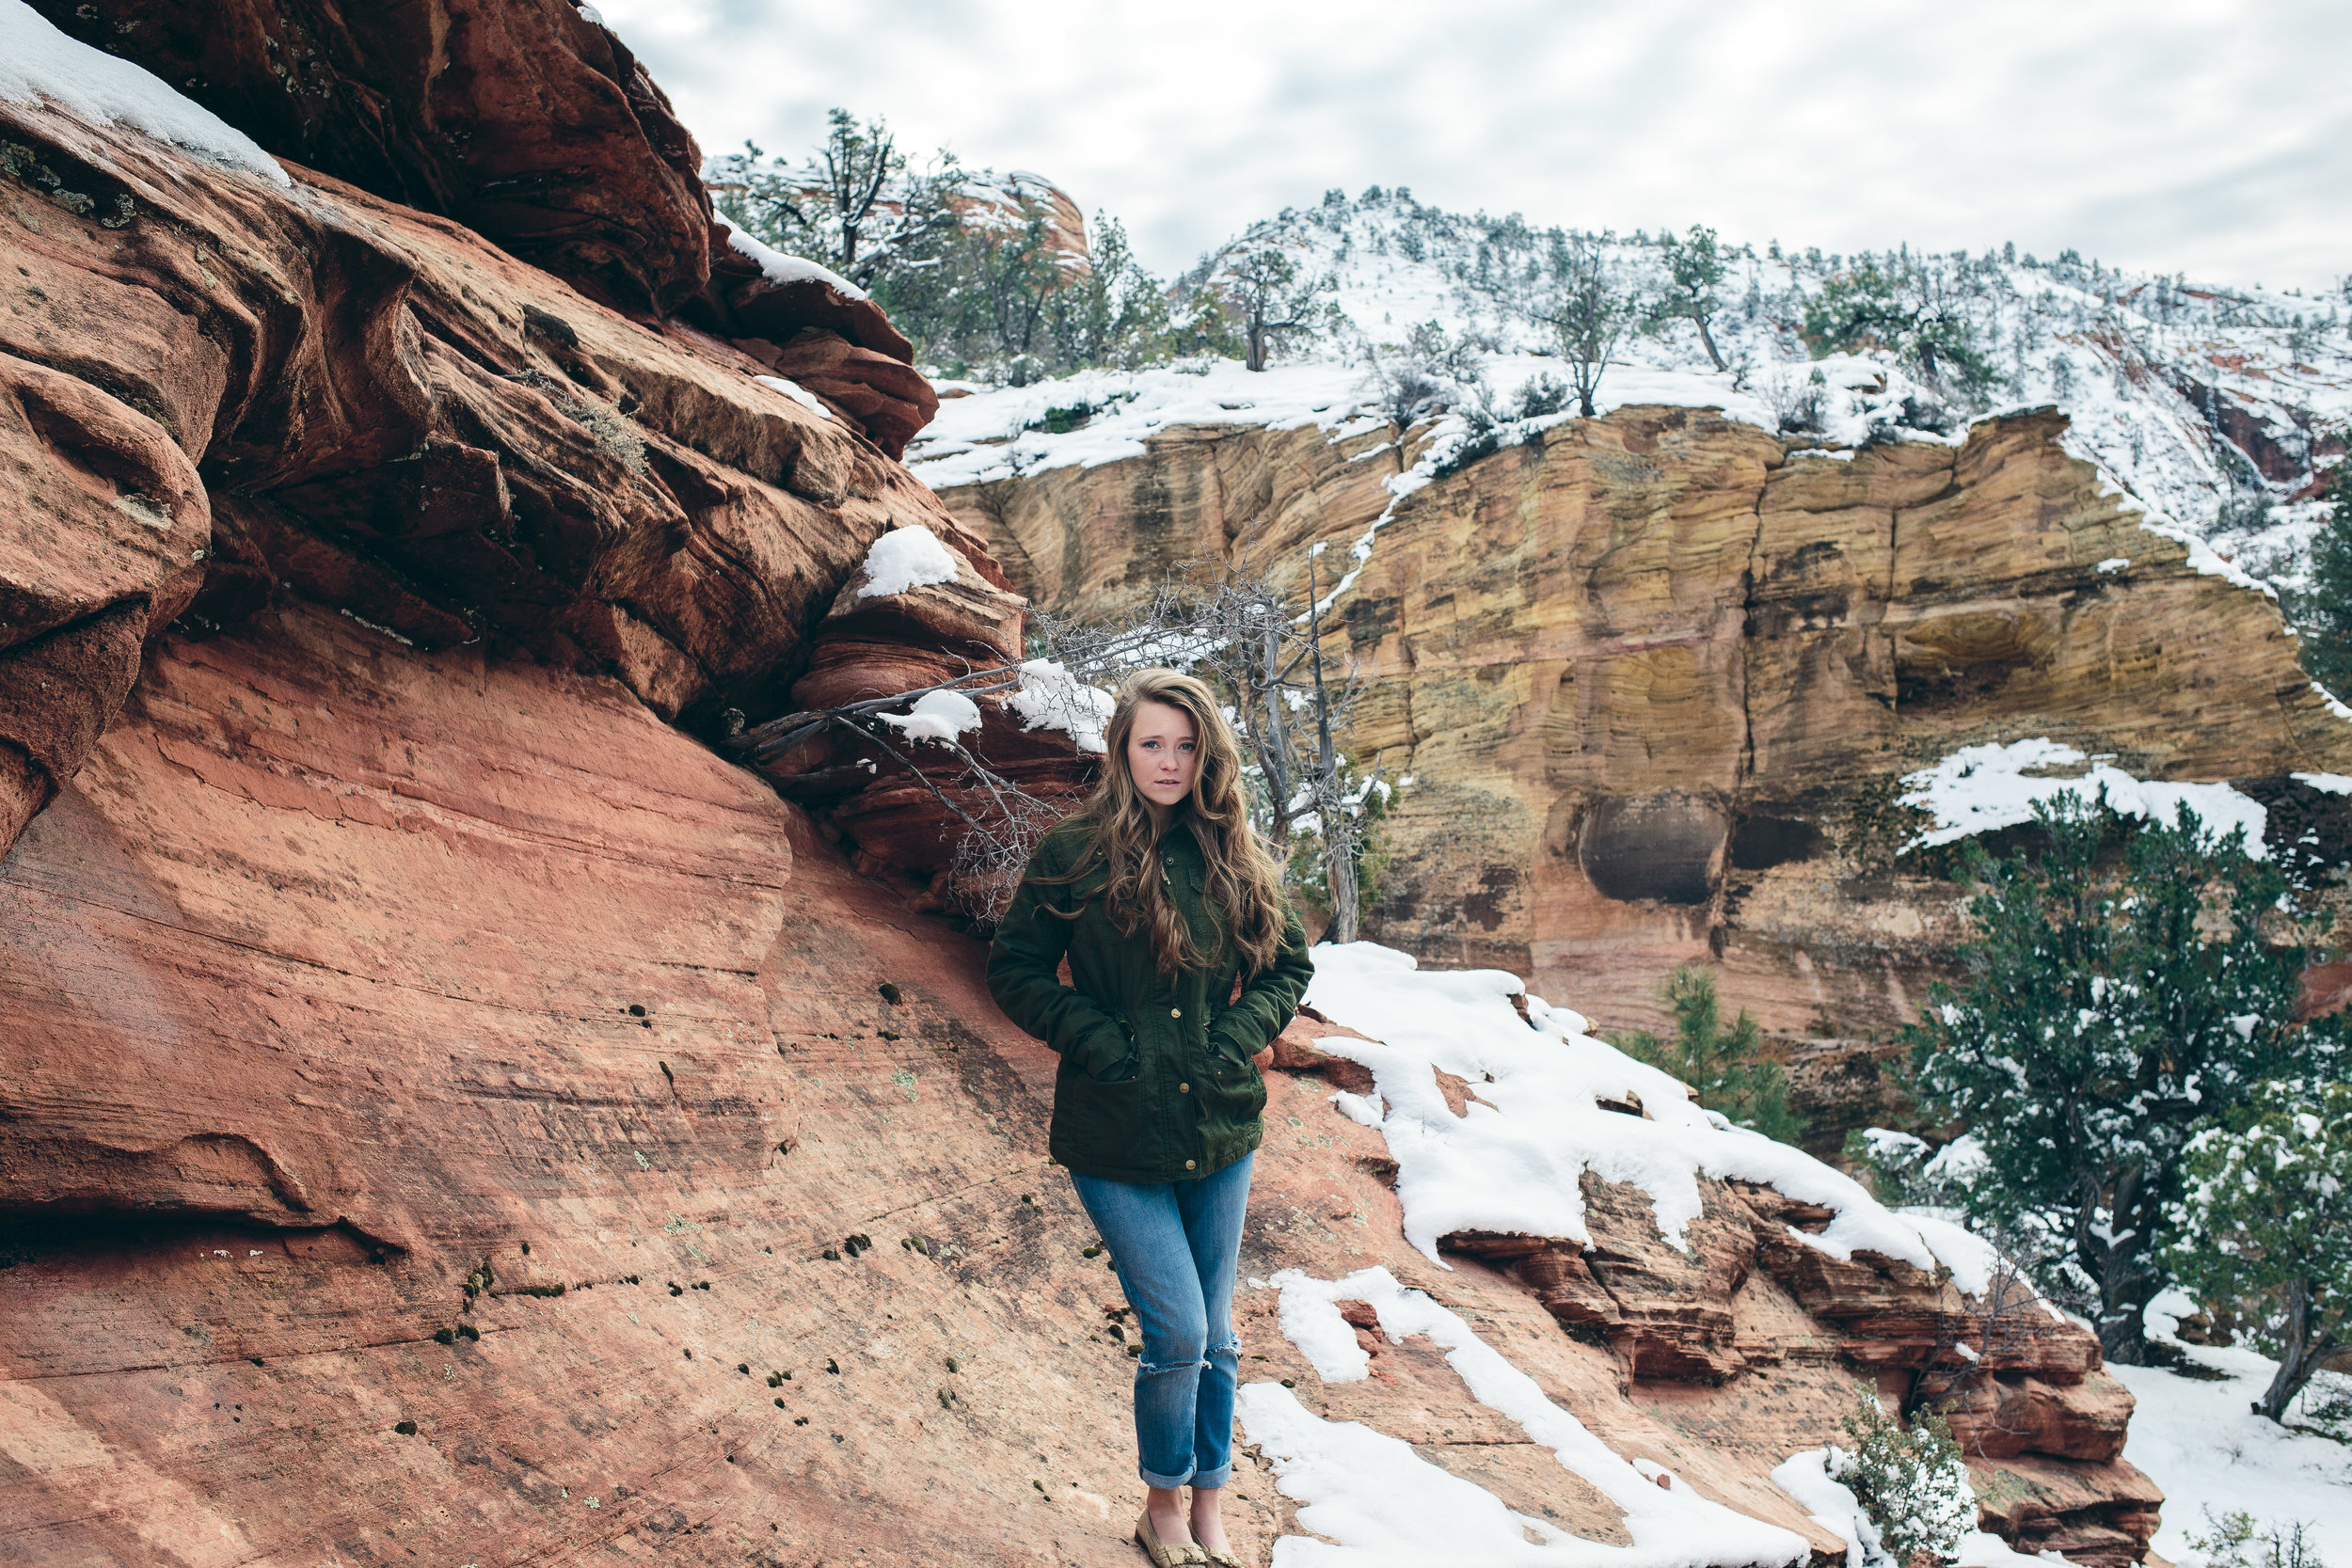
x=1161, y=898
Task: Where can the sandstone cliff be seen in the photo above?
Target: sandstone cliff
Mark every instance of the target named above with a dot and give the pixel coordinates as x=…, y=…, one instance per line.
x=448, y=1113
x=1657, y=676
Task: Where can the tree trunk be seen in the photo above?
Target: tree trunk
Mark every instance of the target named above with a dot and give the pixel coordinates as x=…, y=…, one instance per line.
x=1339, y=857
x=1255, y=358
x=1708, y=339
x=2306, y=1346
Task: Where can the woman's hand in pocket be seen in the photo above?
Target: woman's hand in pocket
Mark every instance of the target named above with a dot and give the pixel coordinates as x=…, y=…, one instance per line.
x=1110, y=1056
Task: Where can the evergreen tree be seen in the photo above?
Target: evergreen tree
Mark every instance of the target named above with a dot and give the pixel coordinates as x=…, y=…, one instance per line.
x=1727, y=1066
x=969, y=264
x=2123, y=985
x=1265, y=289
x=1570, y=285
x=1911, y=1482
x=1910, y=310
x=1113, y=313
x=2264, y=1227
x=1696, y=266
x=854, y=206
x=2324, y=608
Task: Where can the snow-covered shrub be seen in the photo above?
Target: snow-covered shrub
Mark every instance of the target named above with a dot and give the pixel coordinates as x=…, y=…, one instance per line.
x=1910, y=1482
x=1921, y=314
x=2264, y=1227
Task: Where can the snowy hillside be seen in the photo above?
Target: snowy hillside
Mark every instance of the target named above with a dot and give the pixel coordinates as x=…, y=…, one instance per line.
x=2217, y=408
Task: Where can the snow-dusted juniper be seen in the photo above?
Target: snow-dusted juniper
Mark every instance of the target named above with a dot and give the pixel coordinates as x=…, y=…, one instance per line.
x=2123, y=984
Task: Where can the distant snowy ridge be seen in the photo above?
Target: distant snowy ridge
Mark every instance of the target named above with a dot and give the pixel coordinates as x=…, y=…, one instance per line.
x=2213, y=408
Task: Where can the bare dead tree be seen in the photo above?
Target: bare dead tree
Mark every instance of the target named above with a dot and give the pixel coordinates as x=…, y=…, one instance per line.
x=1263, y=649
x=2002, y=1323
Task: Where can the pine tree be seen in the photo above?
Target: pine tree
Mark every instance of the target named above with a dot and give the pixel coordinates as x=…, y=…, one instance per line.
x=1265, y=289
x=1697, y=267
x=2324, y=608
x=1907, y=308
x=1727, y=1065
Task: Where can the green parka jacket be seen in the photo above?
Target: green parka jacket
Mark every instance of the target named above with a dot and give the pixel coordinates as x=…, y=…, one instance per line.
x=1156, y=1080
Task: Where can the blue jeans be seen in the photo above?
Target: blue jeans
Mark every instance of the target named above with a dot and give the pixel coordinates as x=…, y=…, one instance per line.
x=1176, y=1245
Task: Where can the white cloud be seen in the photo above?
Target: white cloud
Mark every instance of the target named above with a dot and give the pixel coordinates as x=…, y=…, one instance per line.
x=2161, y=135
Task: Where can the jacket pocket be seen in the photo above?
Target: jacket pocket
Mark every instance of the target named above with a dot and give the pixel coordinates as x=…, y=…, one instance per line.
x=1235, y=1097
x=1096, y=1124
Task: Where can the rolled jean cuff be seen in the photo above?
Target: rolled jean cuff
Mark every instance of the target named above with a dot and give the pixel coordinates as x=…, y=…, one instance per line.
x=1169, y=1484
x=1217, y=1477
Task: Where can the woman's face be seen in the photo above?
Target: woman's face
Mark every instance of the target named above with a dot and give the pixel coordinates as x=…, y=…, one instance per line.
x=1162, y=754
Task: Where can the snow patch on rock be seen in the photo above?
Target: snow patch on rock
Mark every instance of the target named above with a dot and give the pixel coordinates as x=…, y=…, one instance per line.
x=777, y=267
x=797, y=393
x=906, y=558
x=1513, y=1164
x=1383, y=1504
x=1978, y=789
x=36, y=62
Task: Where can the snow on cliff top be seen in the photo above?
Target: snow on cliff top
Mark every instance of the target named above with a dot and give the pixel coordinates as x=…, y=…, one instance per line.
x=2183, y=393
x=39, y=62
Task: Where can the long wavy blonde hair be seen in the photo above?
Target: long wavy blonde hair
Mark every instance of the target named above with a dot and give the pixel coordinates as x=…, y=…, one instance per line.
x=1244, y=886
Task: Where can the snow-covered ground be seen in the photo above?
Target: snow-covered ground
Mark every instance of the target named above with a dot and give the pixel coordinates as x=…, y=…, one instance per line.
x=2177, y=390
x=2199, y=1441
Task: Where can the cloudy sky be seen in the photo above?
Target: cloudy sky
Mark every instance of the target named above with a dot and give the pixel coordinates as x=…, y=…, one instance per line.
x=2194, y=135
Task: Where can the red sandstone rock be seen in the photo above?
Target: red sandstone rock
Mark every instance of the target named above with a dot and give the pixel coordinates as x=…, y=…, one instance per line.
x=2004, y=1416
x=890, y=401
x=522, y=119
x=392, y=417
x=333, y=948
x=840, y=347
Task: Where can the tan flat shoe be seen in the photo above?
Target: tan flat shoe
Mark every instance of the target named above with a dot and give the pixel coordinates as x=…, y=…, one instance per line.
x=1165, y=1555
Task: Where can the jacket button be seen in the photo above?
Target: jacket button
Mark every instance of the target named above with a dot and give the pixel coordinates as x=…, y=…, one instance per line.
x=1188, y=1165
x=1175, y=1012
x=1184, y=1088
